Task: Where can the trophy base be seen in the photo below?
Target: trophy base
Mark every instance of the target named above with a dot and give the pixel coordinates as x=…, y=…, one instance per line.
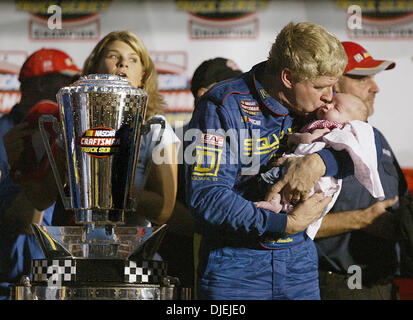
x=97, y=279
x=98, y=291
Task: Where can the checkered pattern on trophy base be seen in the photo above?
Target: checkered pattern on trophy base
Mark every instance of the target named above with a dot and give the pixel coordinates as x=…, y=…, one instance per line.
x=147, y=272
x=56, y=271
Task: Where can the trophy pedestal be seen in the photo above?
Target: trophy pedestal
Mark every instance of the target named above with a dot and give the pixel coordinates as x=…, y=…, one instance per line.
x=98, y=279
x=90, y=263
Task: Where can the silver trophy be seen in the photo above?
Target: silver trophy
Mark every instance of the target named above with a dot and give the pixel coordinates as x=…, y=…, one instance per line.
x=101, y=124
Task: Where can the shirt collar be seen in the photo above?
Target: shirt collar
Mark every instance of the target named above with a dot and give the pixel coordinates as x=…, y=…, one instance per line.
x=271, y=103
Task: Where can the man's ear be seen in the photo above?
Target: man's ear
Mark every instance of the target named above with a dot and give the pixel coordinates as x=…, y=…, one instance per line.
x=287, y=78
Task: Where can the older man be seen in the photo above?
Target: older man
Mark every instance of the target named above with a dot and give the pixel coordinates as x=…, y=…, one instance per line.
x=357, y=237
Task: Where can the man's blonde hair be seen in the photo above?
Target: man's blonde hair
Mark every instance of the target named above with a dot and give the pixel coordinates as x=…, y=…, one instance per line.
x=308, y=50
x=150, y=77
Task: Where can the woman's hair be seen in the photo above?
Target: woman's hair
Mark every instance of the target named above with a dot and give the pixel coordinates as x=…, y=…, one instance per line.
x=308, y=50
x=156, y=102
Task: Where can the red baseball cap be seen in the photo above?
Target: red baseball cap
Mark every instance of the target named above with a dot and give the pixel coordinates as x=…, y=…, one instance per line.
x=361, y=63
x=46, y=61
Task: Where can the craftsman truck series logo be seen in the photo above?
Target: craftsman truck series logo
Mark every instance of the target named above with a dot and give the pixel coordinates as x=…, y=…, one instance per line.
x=222, y=19
x=100, y=142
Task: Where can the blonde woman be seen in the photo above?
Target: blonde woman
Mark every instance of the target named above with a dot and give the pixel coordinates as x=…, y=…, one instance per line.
x=122, y=53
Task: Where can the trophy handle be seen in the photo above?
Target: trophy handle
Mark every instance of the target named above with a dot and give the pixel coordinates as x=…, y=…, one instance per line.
x=147, y=126
x=57, y=127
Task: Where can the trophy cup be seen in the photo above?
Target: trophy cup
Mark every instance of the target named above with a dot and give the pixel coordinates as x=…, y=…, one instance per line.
x=102, y=120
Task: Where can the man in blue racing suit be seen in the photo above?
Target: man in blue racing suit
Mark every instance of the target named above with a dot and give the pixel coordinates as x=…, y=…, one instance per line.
x=237, y=128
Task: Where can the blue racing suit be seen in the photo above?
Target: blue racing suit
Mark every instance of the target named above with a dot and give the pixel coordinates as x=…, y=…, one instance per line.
x=243, y=252
x=16, y=250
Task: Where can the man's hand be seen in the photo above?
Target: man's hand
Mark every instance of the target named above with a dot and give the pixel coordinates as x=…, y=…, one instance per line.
x=378, y=221
x=301, y=176
x=306, y=213
x=20, y=215
x=14, y=142
x=370, y=214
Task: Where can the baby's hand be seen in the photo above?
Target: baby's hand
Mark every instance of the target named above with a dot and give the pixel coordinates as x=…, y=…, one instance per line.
x=296, y=138
x=274, y=204
x=317, y=134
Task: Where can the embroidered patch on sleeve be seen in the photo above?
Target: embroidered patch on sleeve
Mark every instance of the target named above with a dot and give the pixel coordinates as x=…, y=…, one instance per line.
x=208, y=160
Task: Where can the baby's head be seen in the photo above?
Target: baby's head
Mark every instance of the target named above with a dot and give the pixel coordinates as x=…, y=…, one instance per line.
x=344, y=107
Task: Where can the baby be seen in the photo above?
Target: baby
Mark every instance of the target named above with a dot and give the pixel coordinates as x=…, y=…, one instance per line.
x=344, y=108
x=340, y=125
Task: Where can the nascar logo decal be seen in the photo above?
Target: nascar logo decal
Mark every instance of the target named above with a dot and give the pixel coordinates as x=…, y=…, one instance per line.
x=250, y=107
x=99, y=142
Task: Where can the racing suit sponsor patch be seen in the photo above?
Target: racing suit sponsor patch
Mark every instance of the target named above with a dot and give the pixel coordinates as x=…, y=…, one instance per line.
x=208, y=160
x=215, y=140
x=262, y=145
x=264, y=94
x=251, y=120
x=250, y=107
